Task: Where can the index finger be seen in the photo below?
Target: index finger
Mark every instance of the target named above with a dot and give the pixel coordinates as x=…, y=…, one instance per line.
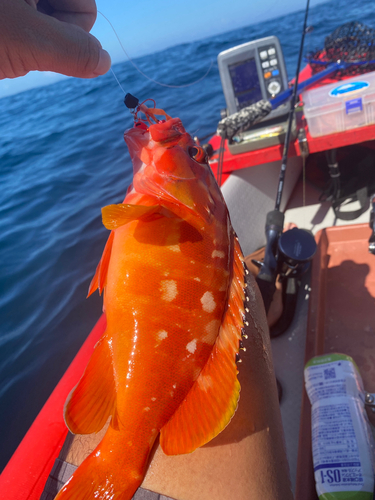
x=82, y=13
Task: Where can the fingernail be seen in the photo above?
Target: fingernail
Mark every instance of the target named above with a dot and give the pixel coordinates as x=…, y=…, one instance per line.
x=104, y=63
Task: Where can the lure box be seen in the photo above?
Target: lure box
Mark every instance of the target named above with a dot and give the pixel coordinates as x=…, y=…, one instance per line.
x=340, y=106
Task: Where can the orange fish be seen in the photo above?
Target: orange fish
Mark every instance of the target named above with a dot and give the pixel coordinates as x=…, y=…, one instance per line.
x=173, y=278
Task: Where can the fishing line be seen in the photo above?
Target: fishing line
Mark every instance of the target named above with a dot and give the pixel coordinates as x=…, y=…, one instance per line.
x=142, y=73
x=117, y=80
x=220, y=162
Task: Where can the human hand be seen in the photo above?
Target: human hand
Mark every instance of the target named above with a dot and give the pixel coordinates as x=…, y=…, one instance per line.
x=50, y=35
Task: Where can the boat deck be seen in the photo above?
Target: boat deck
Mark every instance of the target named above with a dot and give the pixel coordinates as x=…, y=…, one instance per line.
x=289, y=348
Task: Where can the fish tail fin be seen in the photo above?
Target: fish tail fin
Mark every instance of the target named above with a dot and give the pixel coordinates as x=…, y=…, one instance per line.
x=109, y=472
x=84, y=486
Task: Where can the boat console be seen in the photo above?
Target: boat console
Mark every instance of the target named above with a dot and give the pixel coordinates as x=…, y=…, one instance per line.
x=249, y=73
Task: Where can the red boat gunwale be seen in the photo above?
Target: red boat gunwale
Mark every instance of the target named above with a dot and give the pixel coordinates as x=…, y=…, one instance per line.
x=26, y=473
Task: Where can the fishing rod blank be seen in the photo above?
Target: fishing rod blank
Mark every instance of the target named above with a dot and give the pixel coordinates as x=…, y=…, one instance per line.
x=291, y=114
x=275, y=220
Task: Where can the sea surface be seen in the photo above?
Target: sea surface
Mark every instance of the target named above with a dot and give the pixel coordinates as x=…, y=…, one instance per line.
x=62, y=158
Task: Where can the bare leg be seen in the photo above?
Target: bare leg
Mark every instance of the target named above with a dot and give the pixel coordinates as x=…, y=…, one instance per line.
x=247, y=460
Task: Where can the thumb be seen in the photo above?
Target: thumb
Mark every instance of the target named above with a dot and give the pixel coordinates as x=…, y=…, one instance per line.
x=40, y=42
x=68, y=49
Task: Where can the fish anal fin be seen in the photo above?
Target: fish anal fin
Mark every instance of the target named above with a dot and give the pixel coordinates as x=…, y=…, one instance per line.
x=115, y=216
x=100, y=275
x=212, y=401
x=93, y=400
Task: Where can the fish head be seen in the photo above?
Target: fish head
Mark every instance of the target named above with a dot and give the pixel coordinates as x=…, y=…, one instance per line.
x=169, y=166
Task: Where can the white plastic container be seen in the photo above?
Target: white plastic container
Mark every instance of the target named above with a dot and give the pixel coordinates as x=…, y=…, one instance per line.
x=342, y=442
x=341, y=106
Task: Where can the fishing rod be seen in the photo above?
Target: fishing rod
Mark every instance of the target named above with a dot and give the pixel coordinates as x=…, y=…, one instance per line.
x=269, y=267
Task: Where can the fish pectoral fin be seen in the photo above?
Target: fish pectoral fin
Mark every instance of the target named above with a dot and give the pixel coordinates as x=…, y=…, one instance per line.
x=100, y=275
x=93, y=399
x=115, y=216
x=212, y=401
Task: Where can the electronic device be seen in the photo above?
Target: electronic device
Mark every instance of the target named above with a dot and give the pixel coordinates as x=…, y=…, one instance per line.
x=251, y=72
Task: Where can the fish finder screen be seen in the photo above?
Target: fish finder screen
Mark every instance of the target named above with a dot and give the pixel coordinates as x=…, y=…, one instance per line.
x=245, y=83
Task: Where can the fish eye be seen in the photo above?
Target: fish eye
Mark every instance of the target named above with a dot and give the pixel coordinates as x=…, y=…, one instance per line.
x=198, y=154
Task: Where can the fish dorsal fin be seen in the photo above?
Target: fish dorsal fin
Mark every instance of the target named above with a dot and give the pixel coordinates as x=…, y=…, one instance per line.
x=212, y=401
x=115, y=216
x=100, y=275
x=93, y=399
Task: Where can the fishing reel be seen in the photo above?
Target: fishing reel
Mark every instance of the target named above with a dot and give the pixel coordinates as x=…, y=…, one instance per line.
x=296, y=248
x=287, y=258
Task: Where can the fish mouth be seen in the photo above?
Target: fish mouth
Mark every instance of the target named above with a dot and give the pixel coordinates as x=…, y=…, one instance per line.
x=167, y=132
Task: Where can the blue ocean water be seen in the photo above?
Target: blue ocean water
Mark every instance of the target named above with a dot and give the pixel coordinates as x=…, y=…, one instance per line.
x=62, y=157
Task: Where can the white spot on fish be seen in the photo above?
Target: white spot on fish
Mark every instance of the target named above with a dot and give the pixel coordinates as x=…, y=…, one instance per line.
x=205, y=382
x=175, y=248
x=218, y=253
x=212, y=330
x=171, y=394
x=196, y=279
x=162, y=335
x=208, y=302
x=191, y=347
x=153, y=399
x=166, y=273
x=168, y=289
x=146, y=409
x=174, y=386
x=192, y=262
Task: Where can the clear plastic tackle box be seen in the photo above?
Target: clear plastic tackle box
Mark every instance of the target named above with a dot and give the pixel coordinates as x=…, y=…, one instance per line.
x=340, y=106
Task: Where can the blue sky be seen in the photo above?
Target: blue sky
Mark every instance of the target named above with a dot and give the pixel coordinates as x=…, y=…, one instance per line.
x=146, y=26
